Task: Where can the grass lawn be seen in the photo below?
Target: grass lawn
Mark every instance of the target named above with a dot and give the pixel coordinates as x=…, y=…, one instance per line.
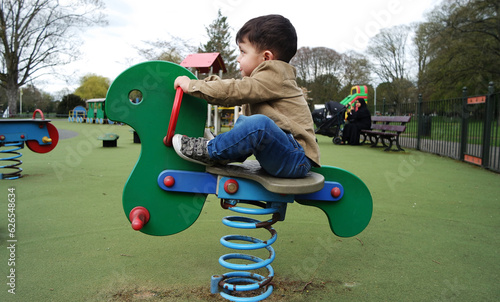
x=434, y=234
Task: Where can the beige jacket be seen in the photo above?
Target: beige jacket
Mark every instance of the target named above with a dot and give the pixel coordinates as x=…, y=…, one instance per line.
x=271, y=90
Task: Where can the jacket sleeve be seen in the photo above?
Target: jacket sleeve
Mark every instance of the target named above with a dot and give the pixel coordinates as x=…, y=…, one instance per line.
x=236, y=92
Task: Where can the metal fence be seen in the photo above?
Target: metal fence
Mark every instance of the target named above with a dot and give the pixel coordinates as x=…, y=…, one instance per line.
x=464, y=128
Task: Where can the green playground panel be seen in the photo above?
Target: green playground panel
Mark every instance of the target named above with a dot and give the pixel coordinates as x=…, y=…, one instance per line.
x=172, y=212
x=351, y=214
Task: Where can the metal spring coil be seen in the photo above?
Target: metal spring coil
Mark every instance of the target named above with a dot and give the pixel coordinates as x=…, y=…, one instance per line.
x=17, y=162
x=242, y=280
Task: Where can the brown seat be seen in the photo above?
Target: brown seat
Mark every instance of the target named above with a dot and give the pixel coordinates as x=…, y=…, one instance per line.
x=252, y=170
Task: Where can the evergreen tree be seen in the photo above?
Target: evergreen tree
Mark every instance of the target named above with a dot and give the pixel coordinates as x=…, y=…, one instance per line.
x=220, y=40
x=69, y=102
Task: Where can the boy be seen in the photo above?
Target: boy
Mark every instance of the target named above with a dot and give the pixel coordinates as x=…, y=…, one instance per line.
x=277, y=126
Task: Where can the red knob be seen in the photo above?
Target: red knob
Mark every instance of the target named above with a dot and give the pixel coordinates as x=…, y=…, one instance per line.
x=139, y=217
x=231, y=186
x=169, y=181
x=335, y=192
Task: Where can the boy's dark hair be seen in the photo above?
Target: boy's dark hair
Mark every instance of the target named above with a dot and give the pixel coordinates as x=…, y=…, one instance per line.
x=272, y=32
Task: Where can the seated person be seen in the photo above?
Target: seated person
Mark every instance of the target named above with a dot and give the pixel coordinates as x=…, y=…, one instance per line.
x=277, y=126
x=358, y=119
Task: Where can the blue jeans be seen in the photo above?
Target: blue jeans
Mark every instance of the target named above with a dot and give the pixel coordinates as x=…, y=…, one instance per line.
x=278, y=152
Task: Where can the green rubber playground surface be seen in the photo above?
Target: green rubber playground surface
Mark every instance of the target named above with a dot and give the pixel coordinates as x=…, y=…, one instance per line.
x=434, y=234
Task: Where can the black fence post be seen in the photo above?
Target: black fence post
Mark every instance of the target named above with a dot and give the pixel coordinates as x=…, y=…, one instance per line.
x=465, y=124
x=487, y=126
x=419, y=120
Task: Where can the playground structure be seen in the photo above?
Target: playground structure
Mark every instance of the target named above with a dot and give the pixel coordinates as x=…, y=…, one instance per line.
x=210, y=63
x=77, y=115
x=165, y=194
x=357, y=92
x=95, y=113
x=39, y=135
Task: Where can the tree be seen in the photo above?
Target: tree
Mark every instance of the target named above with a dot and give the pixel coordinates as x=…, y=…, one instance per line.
x=356, y=69
x=389, y=51
x=422, y=53
x=464, y=45
x=33, y=98
x=312, y=63
x=324, y=88
x=93, y=86
x=174, y=50
x=329, y=75
x=302, y=61
x=69, y=102
x=219, y=40
x=36, y=35
x=318, y=70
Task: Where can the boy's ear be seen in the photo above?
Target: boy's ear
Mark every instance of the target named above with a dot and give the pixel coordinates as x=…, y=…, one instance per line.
x=268, y=55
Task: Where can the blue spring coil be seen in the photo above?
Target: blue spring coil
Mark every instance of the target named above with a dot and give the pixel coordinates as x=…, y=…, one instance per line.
x=17, y=162
x=242, y=280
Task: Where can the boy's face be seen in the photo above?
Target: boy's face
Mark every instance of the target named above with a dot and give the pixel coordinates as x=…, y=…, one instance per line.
x=249, y=57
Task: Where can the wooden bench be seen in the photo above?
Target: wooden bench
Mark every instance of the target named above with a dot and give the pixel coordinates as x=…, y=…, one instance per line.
x=386, y=128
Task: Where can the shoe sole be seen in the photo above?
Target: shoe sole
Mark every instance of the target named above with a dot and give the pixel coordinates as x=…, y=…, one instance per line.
x=177, y=144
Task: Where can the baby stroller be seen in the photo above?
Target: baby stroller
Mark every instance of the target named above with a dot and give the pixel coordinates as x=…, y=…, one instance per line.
x=329, y=121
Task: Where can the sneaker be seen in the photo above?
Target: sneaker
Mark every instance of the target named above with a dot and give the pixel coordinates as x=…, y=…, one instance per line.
x=193, y=149
x=208, y=134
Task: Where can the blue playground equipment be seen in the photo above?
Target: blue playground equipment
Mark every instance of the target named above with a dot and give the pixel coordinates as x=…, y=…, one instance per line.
x=164, y=194
x=39, y=135
x=78, y=114
x=94, y=114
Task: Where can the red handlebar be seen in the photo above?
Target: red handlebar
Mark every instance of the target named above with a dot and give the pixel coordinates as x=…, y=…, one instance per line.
x=173, y=117
x=41, y=113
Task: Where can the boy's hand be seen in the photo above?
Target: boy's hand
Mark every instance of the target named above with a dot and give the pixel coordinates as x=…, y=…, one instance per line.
x=183, y=82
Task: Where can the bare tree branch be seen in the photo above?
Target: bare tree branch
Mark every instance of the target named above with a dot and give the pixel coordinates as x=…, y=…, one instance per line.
x=36, y=35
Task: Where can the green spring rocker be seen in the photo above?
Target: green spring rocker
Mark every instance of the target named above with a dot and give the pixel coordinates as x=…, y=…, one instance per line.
x=165, y=194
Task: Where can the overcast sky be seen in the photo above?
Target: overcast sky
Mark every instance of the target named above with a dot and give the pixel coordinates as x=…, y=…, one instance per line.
x=340, y=25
